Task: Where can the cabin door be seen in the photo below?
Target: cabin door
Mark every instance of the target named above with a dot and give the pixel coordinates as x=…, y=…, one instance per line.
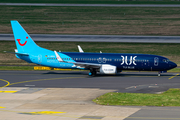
x=39, y=58
x=156, y=61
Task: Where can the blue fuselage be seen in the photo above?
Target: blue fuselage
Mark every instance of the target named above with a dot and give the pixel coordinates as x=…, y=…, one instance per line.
x=122, y=61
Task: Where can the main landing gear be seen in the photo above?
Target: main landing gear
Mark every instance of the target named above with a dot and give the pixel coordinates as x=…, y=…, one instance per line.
x=92, y=72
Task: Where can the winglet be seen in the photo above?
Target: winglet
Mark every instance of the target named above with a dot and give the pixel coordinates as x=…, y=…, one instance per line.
x=80, y=49
x=58, y=57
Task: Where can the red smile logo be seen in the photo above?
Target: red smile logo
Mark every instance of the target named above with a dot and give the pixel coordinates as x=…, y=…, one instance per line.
x=20, y=43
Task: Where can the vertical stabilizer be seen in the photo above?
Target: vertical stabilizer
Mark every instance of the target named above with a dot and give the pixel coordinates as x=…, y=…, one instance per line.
x=24, y=42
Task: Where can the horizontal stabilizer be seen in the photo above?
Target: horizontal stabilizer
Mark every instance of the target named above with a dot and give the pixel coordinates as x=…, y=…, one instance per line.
x=25, y=54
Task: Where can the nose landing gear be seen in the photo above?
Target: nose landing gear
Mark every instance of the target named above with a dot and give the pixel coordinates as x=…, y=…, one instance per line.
x=159, y=73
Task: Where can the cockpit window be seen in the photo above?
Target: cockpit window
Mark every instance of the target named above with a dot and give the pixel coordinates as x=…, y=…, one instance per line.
x=166, y=60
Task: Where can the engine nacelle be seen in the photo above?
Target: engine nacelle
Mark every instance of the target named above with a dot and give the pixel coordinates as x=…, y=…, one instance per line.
x=108, y=69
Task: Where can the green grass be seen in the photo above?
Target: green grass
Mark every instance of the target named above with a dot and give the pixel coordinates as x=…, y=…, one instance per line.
x=168, y=98
x=174, y=70
x=94, y=1
x=92, y=20
x=16, y=67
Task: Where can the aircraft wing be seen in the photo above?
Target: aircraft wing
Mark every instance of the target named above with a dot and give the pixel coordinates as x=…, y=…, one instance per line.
x=81, y=50
x=78, y=64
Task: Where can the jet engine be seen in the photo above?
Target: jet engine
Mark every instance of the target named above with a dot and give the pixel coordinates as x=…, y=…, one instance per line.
x=108, y=69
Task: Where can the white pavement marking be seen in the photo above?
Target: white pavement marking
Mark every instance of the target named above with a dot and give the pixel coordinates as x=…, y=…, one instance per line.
x=30, y=85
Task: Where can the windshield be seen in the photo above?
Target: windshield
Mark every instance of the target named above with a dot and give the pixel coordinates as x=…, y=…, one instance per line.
x=166, y=60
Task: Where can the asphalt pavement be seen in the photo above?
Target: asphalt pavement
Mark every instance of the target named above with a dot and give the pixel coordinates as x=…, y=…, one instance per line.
x=68, y=95
x=92, y=5
x=97, y=38
x=134, y=82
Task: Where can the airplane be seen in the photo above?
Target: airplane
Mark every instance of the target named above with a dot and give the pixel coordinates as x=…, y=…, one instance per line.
x=103, y=63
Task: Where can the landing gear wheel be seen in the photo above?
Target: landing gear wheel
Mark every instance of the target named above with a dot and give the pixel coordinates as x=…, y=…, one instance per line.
x=92, y=72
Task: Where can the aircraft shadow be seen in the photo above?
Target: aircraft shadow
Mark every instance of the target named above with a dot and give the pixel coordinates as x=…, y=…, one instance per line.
x=136, y=74
x=67, y=73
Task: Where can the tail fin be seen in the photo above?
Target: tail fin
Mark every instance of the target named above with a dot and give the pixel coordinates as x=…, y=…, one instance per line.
x=24, y=42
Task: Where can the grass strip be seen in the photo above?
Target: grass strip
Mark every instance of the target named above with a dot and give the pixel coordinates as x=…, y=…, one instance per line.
x=92, y=20
x=16, y=67
x=94, y=1
x=174, y=70
x=168, y=98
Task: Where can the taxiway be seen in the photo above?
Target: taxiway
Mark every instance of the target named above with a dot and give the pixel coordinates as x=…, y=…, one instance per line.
x=68, y=95
x=98, y=38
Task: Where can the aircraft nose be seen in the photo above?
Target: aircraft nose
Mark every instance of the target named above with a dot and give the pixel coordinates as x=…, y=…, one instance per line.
x=172, y=65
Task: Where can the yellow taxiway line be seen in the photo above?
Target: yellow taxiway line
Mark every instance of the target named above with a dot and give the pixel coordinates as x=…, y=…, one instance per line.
x=8, y=91
x=8, y=83
x=173, y=76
